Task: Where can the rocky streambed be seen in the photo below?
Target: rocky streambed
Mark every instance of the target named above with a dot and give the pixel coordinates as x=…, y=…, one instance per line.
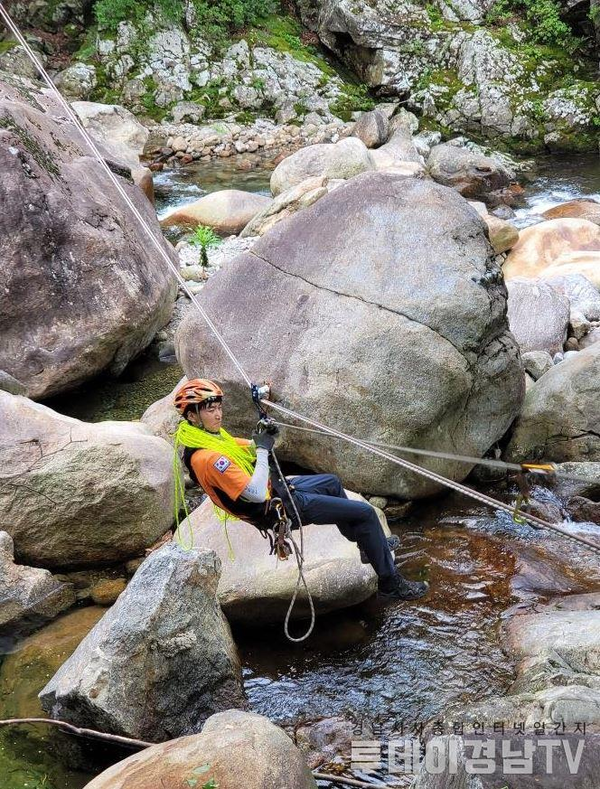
x=365, y=669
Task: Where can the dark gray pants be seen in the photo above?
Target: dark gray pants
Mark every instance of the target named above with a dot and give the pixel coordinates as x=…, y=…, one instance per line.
x=320, y=498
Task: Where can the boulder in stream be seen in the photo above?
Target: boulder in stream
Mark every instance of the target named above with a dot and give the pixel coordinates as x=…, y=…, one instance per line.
x=234, y=750
x=83, y=290
x=538, y=315
x=29, y=596
x=389, y=324
x=471, y=174
x=560, y=420
x=160, y=661
x=77, y=494
x=226, y=211
x=542, y=245
x=254, y=587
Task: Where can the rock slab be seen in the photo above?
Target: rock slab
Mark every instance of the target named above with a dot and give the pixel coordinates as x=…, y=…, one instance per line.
x=160, y=661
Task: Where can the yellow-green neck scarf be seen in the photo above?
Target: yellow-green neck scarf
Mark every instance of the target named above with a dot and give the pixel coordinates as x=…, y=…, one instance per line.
x=196, y=438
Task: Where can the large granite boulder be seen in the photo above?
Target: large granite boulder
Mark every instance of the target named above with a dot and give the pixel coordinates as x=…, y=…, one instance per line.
x=582, y=208
x=343, y=159
x=560, y=420
x=83, y=290
x=503, y=235
x=115, y=127
x=583, y=297
x=538, y=315
x=235, y=749
x=79, y=494
x=541, y=245
x=160, y=661
x=77, y=81
x=254, y=587
x=388, y=321
x=28, y=596
x=227, y=211
x=471, y=174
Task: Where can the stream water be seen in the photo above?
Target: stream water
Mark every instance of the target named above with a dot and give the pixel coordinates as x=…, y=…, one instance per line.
x=402, y=664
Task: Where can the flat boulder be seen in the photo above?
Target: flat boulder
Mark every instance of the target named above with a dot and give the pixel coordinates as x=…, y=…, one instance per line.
x=472, y=175
x=560, y=420
x=234, y=749
x=343, y=159
x=584, y=298
x=160, y=661
x=83, y=290
x=542, y=245
x=29, y=596
x=538, y=315
x=254, y=587
x=227, y=211
x=583, y=208
x=77, y=494
x=388, y=294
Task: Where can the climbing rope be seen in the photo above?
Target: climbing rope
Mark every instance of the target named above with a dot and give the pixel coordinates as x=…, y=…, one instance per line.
x=374, y=449
x=432, y=475
x=541, y=469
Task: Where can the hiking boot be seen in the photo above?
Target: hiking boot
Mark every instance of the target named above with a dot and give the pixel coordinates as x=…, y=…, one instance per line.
x=393, y=544
x=397, y=587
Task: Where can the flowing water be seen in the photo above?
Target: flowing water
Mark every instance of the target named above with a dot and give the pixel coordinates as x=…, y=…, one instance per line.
x=403, y=664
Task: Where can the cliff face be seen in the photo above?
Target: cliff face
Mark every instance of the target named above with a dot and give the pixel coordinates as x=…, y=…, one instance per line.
x=518, y=72
x=498, y=68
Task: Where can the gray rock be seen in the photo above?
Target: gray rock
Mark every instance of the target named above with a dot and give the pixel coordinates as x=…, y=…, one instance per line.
x=590, y=338
x=372, y=128
x=94, y=294
x=253, y=588
x=560, y=420
x=400, y=148
x=538, y=315
x=77, y=81
x=160, y=661
x=537, y=363
x=115, y=127
x=234, y=749
x=10, y=384
x=286, y=204
x=162, y=418
x=588, y=482
x=28, y=596
x=472, y=175
x=343, y=159
x=188, y=112
x=584, y=297
x=432, y=305
x=79, y=494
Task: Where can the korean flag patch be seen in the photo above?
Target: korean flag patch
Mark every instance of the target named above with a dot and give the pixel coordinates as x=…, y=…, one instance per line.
x=222, y=464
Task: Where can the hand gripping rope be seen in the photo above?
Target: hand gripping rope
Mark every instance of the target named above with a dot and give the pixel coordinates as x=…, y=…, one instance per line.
x=258, y=398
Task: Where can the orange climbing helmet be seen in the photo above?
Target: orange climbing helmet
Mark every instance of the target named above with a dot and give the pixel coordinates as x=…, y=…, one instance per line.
x=195, y=392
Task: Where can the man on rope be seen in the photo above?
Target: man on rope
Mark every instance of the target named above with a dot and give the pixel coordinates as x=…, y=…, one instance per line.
x=234, y=473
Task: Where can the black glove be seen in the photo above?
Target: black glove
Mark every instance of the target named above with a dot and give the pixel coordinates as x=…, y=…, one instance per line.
x=264, y=440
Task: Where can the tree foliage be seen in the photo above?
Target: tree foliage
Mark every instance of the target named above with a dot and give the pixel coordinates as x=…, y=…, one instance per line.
x=214, y=19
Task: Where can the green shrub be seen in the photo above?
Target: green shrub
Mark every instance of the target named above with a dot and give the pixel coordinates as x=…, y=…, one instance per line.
x=542, y=16
x=216, y=19
x=204, y=237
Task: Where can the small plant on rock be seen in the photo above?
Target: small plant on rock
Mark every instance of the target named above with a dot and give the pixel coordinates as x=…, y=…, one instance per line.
x=205, y=238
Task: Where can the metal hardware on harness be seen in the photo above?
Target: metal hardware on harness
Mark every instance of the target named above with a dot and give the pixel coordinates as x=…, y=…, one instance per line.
x=258, y=393
x=283, y=530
